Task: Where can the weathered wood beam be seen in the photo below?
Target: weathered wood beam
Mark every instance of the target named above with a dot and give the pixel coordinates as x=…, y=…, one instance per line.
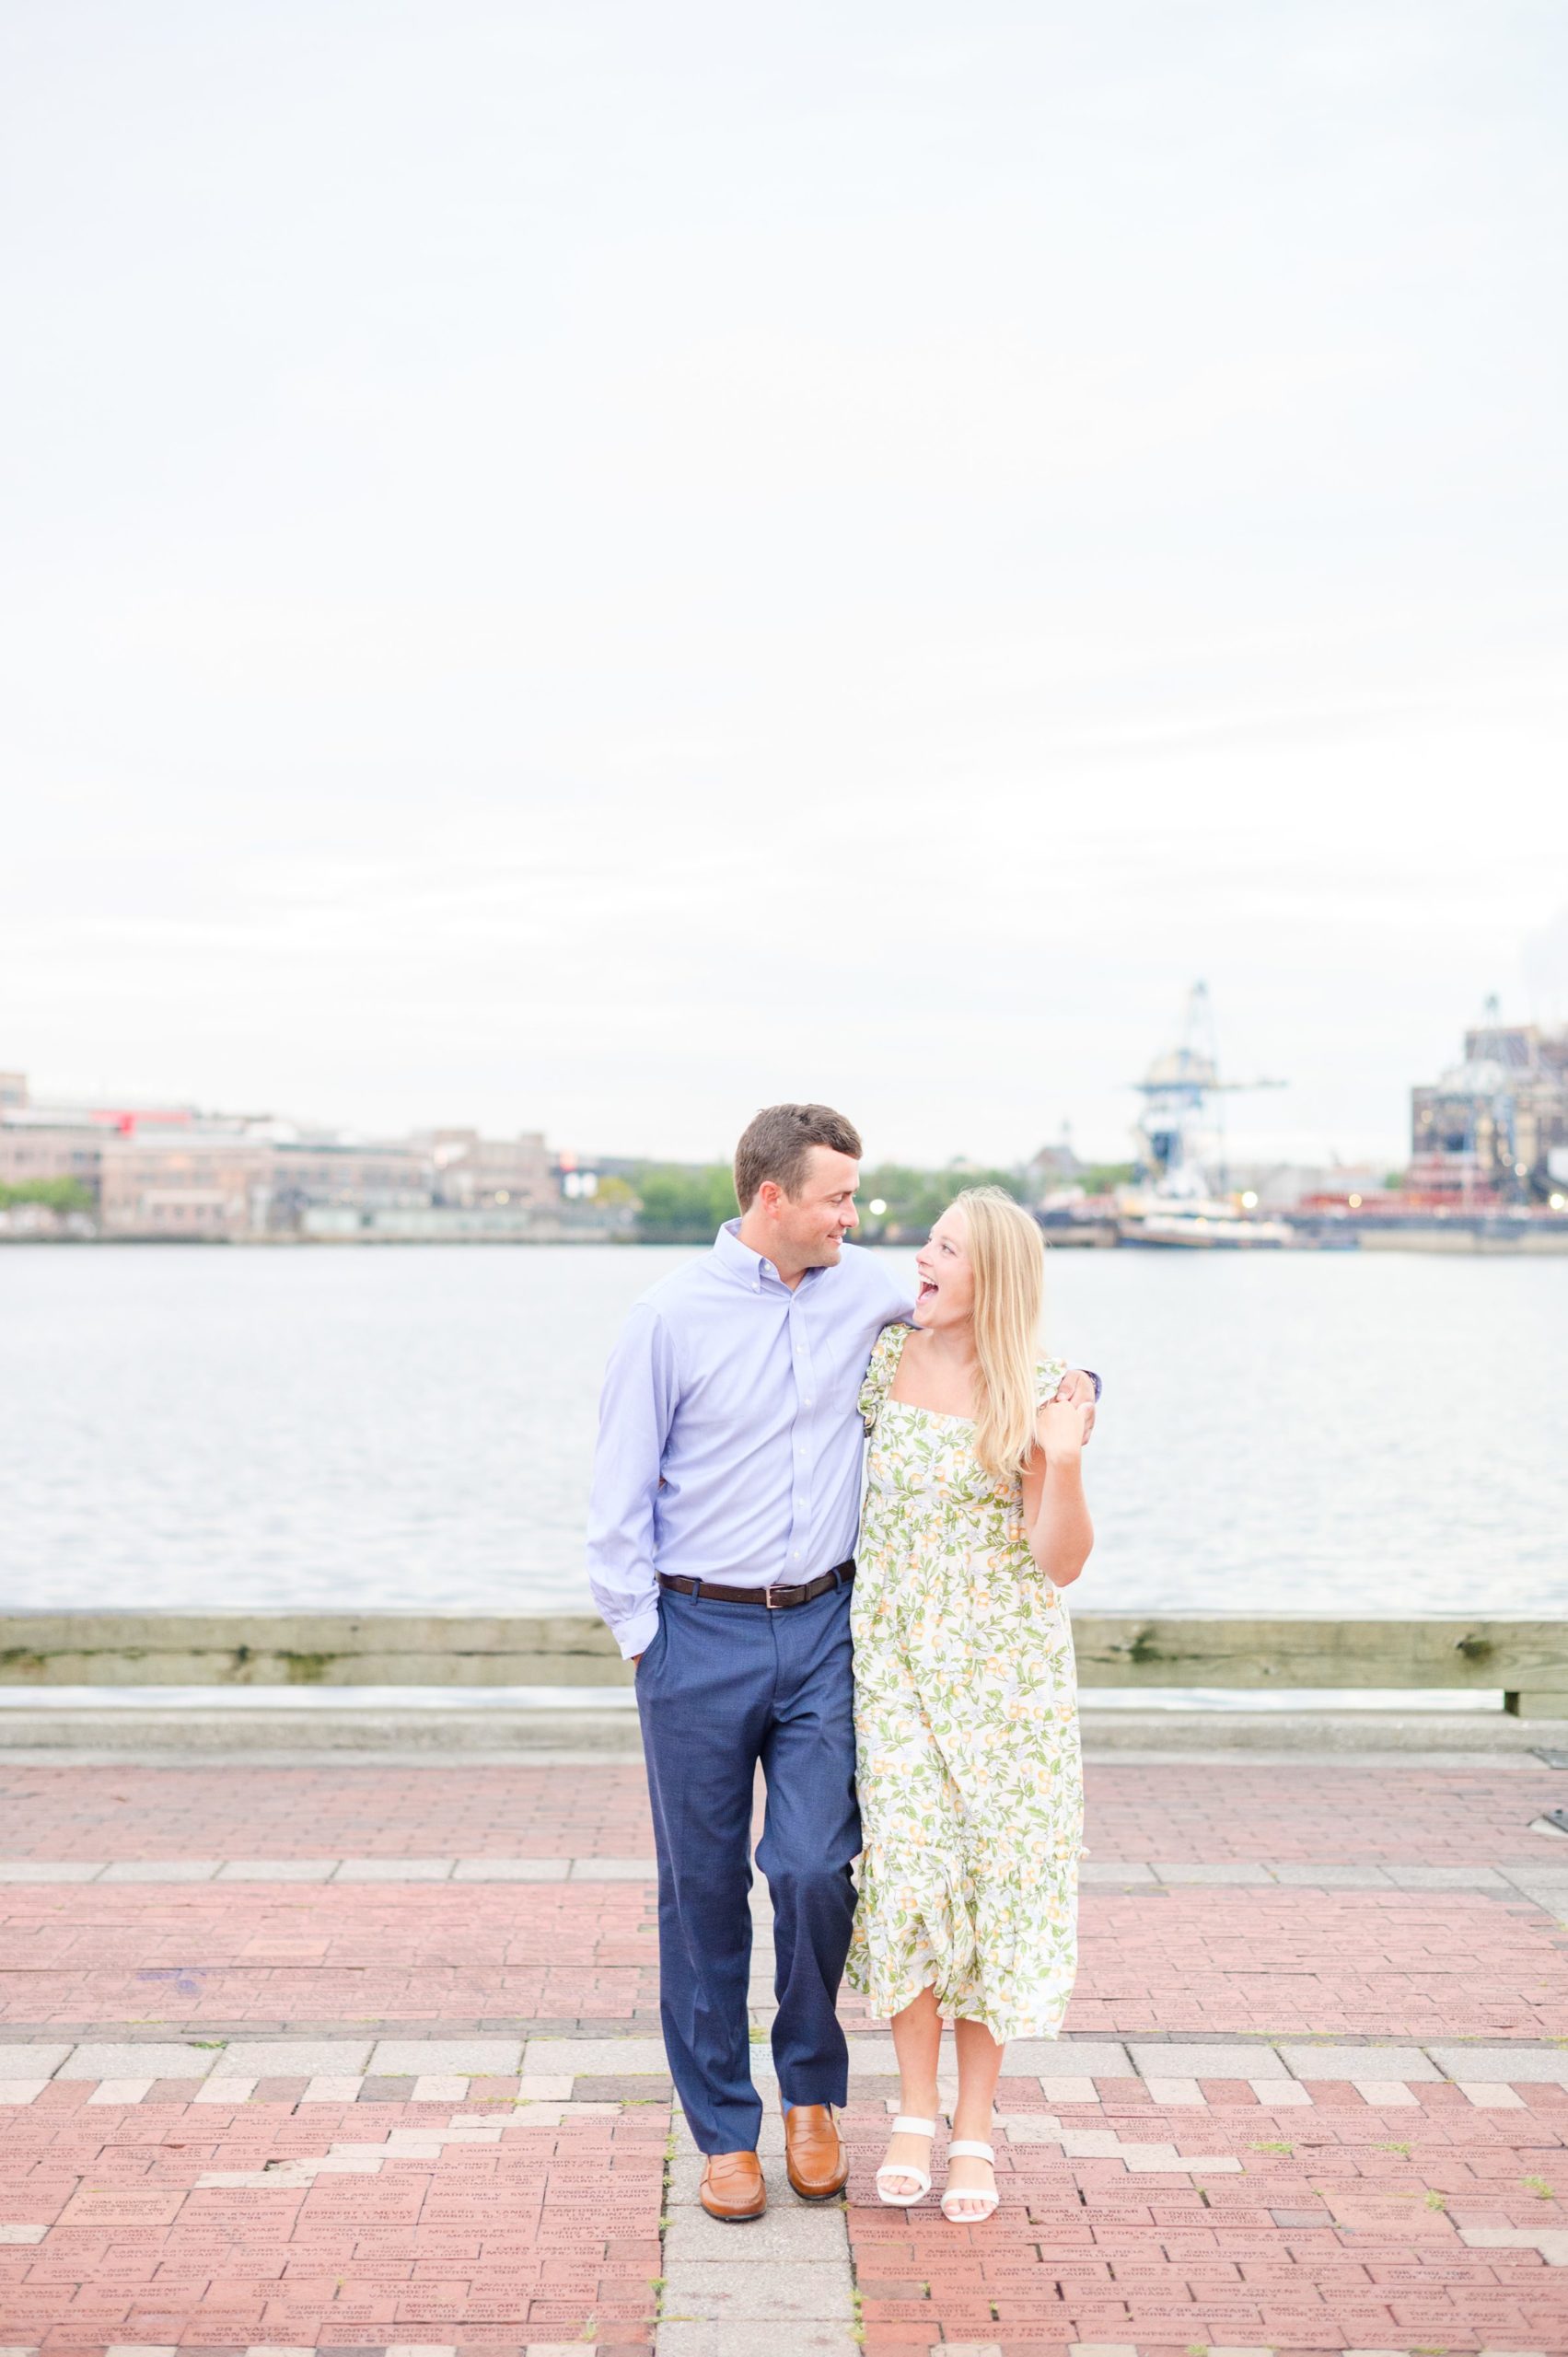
x=1285, y=1651
x=1288, y=1650
x=304, y=1648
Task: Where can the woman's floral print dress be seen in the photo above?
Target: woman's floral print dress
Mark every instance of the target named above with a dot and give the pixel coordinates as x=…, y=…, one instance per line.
x=967, y=1732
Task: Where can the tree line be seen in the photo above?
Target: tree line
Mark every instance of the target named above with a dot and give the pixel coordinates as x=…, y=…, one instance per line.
x=55, y=1194
x=685, y=1204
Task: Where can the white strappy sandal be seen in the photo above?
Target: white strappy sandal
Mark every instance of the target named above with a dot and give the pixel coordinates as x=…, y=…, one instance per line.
x=904, y=2125
x=969, y=2148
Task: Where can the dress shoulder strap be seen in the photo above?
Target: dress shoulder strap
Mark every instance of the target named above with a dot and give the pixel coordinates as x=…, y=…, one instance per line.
x=885, y=1356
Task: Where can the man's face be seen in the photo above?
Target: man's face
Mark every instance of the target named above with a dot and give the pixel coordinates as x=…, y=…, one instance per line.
x=813, y=1224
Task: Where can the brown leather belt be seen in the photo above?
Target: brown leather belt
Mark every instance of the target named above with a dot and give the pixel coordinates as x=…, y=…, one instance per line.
x=777, y=1599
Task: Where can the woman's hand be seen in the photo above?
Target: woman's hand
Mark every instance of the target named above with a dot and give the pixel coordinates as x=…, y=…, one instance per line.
x=1062, y=1426
x=1079, y=1389
x=1056, y=1518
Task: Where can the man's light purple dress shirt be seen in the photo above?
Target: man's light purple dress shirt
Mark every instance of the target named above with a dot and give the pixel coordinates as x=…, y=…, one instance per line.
x=730, y=1443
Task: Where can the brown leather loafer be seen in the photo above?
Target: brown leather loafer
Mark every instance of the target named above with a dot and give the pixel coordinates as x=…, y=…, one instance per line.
x=814, y=2153
x=732, y=2189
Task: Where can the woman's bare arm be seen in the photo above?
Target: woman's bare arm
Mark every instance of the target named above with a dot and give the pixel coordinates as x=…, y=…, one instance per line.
x=1056, y=1512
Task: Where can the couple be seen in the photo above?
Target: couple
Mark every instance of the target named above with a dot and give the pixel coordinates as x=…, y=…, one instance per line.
x=721, y=1553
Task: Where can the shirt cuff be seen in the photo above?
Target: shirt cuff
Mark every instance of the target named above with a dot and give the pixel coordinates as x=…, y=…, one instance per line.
x=635, y=1636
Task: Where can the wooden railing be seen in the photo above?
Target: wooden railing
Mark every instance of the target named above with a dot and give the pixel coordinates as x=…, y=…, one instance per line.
x=1526, y=1661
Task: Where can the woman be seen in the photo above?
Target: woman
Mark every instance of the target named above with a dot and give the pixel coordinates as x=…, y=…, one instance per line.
x=966, y=1709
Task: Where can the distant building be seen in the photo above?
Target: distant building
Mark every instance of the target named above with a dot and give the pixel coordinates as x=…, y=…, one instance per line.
x=1494, y=1128
x=1052, y=1178
x=147, y=1193
x=38, y=1147
x=184, y=1187
x=1055, y=1170
x=186, y=1174
x=42, y=1145
x=333, y=1173
x=473, y=1173
x=1282, y=1185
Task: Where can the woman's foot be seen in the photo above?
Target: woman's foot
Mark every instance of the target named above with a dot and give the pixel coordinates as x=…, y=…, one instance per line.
x=970, y=2194
x=904, y=2176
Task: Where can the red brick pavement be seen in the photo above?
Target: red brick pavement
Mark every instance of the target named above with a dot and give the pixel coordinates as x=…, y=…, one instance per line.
x=341, y=1809
x=1297, y=1963
x=1321, y=1810
x=1286, y=1963
x=276, y=1953
x=1184, y=1810
x=1343, y=2227
x=551, y=2235
x=1346, y=2233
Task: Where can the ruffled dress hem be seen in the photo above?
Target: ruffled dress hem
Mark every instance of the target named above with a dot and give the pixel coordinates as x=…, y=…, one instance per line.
x=960, y=2006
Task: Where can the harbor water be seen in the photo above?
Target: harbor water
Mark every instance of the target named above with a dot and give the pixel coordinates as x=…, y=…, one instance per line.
x=414, y=1426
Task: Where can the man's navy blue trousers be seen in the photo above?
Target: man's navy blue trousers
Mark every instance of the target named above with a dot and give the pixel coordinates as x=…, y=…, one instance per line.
x=721, y=1687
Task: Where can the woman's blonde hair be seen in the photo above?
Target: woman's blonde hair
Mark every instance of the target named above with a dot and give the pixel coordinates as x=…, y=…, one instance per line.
x=1007, y=1255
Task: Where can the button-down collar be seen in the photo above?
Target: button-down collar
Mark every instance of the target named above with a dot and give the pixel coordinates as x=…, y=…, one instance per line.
x=753, y=1270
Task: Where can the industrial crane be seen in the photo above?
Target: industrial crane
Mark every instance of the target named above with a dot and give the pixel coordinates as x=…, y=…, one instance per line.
x=1175, y=1123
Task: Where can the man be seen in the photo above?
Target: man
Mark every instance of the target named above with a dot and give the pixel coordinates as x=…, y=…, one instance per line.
x=721, y=1537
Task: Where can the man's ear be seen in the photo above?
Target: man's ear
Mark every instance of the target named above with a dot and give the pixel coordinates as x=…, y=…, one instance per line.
x=769, y=1195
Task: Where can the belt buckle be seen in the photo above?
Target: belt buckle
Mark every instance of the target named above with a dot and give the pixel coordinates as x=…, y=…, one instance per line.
x=768, y=1599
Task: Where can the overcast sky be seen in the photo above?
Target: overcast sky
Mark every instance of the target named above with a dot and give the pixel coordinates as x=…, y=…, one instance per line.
x=593, y=565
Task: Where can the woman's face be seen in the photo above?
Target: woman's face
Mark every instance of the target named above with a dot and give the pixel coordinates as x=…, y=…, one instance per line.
x=946, y=1275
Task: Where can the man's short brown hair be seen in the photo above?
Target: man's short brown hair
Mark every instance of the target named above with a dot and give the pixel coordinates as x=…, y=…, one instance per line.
x=777, y=1145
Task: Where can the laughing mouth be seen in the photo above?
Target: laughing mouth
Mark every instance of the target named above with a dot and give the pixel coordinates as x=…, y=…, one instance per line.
x=927, y=1290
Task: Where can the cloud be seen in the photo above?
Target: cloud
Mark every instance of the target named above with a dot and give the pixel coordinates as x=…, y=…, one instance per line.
x=1545, y=960
x=583, y=573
